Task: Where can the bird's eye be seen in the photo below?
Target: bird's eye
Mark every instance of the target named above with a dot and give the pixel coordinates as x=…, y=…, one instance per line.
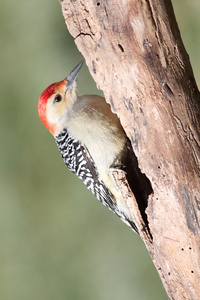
x=57, y=98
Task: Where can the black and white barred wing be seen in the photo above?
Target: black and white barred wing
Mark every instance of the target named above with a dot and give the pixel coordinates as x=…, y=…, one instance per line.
x=78, y=160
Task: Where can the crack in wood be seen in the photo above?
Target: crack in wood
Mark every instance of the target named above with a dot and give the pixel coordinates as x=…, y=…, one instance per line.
x=82, y=34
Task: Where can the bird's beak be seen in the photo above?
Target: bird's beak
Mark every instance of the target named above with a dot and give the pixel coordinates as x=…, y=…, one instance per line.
x=72, y=76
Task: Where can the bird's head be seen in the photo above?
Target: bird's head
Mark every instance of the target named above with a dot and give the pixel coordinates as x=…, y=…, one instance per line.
x=56, y=101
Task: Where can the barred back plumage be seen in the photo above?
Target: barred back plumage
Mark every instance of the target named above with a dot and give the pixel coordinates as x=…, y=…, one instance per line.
x=78, y=160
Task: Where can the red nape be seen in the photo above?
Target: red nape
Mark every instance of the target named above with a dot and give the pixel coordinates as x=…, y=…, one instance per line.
x=48, y=92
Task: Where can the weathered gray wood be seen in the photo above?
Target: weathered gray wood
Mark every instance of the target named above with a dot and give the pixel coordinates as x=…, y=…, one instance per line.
x=136, y=56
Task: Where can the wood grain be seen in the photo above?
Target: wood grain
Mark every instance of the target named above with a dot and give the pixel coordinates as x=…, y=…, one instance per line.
x=135, y=54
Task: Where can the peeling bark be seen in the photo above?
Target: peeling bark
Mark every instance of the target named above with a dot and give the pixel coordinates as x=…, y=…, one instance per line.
x=136, y=56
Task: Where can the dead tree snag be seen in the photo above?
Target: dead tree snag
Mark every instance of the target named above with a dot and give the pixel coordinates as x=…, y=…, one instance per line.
x=136, y=56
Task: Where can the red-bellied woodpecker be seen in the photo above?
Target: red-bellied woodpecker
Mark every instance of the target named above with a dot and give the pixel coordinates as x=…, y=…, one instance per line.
x=90, y=139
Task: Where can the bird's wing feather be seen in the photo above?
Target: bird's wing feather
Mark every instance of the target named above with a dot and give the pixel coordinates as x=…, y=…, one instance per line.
x=79, y=161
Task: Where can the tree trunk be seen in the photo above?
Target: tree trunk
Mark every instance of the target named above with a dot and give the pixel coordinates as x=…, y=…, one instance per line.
x=136, y=56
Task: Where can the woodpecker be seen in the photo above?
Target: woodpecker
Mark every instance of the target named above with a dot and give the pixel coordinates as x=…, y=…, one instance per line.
x=90, y=139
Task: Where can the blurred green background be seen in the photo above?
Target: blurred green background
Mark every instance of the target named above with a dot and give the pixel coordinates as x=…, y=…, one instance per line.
x=56, y=240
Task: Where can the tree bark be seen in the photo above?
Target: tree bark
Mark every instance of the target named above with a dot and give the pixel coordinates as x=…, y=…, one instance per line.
x=135, y=54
